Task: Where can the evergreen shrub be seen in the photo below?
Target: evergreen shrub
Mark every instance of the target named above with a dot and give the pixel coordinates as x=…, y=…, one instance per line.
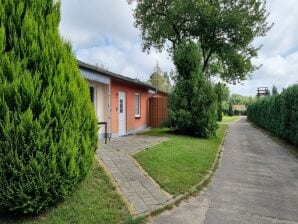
x=278, y=114
x=48, y=129
x=192, y=104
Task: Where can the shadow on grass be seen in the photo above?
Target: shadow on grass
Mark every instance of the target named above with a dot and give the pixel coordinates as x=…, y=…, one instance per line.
x=11, y=218
x=7, y=217
x=167, y=132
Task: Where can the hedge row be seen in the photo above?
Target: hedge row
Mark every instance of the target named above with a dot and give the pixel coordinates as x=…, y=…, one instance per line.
x=278, y=114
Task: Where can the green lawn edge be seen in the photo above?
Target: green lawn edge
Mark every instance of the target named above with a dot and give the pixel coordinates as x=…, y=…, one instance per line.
x=194, y=190
x=230, y=118
x=96, y=201
x=181, y=163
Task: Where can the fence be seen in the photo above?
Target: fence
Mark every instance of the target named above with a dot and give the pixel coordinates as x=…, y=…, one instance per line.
x=158, y=111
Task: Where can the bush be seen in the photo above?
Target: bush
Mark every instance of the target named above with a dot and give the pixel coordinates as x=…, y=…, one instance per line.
x=48, y=130
x=230, y=112
x=278, y=114
x=192, y=104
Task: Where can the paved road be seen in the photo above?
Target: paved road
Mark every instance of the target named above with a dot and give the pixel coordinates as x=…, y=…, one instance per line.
x=257, y=182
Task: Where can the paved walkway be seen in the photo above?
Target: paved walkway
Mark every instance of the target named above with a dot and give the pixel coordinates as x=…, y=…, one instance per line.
x=135, y=185
x=257, y=182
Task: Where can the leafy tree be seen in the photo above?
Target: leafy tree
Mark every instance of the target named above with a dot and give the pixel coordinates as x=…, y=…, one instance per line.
x=239, y=99
x=48, y=129
x=225, y=92
x=274, y=91
x=192, y=107
x=160, y=79
x=231, y=112
x=225, y=107
x=223, y=29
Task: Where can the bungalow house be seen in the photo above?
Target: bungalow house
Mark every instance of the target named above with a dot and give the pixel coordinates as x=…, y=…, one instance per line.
x=239, y=109
x=120, y=102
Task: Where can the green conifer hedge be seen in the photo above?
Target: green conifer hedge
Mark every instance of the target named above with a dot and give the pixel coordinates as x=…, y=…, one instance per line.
x=278, y=114
x=48, y=130
x=192, y=104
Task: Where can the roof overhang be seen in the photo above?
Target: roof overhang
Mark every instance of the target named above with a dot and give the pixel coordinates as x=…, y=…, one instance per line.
x=91, y=72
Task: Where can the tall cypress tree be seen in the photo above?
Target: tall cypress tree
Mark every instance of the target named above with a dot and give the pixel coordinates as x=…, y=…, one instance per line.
x=48, y=130
x=192, y=104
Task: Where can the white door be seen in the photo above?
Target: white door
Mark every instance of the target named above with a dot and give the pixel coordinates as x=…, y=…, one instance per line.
x=122, y=113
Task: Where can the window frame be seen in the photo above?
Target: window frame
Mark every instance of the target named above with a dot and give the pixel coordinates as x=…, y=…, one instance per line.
x=139, y=105
x=91, y=85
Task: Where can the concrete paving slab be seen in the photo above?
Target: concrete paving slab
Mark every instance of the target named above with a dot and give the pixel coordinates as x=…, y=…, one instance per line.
x=140, y=190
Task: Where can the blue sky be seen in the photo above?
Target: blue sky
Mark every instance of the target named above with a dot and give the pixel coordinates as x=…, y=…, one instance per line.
x=102, y=31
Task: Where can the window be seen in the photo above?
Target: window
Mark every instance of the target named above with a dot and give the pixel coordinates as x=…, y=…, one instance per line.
x=92, y=94
x=137, y=105
x=121, y=106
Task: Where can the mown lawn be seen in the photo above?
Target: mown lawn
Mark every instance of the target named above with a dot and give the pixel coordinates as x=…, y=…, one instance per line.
x=181, y=162
x=96, y=201
x=229, y=118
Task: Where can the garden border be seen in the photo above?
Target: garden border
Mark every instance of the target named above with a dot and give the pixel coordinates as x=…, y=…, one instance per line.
x=175, y=201
x=195, y=190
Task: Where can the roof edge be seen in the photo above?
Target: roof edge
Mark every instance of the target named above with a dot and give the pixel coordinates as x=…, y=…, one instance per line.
x=114, y=75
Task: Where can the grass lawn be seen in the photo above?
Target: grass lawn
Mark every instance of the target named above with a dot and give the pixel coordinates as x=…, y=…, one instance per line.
x=181, y=162
x=96, y=201
x=229, y=119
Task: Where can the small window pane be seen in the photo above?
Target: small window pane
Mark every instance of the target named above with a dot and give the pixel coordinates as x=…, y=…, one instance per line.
x=121, y=106
x=92, y=94
x=137, y=104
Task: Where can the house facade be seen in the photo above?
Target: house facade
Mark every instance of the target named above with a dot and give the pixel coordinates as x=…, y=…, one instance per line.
x=120, y=102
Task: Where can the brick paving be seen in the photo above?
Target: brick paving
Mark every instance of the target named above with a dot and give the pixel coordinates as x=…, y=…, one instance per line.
x=143, y=193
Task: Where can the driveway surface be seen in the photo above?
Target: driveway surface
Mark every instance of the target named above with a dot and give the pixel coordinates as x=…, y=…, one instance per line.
x=136, y=186
x=257, y=182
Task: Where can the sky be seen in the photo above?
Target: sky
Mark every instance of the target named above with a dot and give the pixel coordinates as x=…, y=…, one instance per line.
x=103, y=32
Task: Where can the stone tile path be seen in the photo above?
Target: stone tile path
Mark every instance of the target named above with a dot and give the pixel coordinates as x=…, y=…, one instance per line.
x=139, y=189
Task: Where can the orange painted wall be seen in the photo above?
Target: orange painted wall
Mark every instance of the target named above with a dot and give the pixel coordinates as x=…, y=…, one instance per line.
x=131, y=121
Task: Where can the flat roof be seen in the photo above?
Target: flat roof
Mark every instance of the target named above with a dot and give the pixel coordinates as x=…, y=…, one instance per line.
x=113, y=75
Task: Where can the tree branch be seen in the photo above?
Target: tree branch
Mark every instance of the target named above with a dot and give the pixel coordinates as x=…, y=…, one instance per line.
x=206, y=61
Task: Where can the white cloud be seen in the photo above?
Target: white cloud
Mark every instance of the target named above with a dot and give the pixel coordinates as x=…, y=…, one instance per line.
x=284, y=34
x=103, y=32
x=279, y=55
x=95, y=20
x=276, y=70
x=130, y=62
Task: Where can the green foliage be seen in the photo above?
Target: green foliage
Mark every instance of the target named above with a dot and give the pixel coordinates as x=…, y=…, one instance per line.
x=48, y=130
x=274, y=91
x=223, y=29
x=96, y=201
x=160, y=79
x=225, y=95
x=239, y=99
x=225, y=92
x=278, y=114
x=192, y=104
x=231, y=112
